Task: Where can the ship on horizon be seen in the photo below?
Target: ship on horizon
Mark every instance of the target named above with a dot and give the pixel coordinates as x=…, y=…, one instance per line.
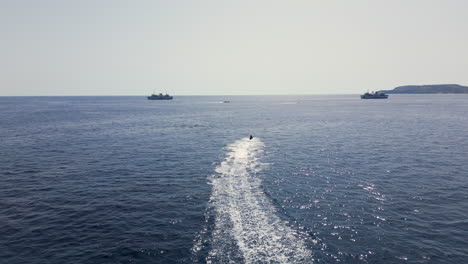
x=374, y=95
x=160, y=96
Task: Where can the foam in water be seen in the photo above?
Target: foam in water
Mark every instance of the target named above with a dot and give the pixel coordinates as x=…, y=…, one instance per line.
x=246, y=226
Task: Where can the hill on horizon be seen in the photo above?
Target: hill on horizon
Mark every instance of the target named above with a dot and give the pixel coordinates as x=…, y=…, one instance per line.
x=428, y=89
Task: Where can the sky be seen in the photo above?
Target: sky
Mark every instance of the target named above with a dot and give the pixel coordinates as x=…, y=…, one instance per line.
x=221, y=47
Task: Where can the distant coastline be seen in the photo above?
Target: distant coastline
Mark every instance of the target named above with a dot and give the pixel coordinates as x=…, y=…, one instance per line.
x=429, y=89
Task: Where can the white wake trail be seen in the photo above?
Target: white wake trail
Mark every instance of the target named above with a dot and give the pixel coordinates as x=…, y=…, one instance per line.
x=246, y=226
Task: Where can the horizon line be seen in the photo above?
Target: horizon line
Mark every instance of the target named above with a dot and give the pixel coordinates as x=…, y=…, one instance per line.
x=101, y=95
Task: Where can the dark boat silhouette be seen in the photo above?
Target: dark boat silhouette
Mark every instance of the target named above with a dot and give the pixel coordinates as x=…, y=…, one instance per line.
x=374, y=95
x=160, y=96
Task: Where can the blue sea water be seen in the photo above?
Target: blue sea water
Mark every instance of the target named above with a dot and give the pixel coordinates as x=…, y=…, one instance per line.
x=326, y=179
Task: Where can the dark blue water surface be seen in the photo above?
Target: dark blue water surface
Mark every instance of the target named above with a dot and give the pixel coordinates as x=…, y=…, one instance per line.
x=127, y=180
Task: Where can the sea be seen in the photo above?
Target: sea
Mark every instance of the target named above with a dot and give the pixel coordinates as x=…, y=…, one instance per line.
x=325, y=179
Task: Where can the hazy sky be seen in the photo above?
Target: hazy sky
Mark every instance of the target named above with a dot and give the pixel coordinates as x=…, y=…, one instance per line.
x=199, y=47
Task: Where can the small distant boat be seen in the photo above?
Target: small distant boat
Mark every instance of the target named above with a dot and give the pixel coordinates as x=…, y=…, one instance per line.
x=226, y=102
x=374, y=95
x=160, y=96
